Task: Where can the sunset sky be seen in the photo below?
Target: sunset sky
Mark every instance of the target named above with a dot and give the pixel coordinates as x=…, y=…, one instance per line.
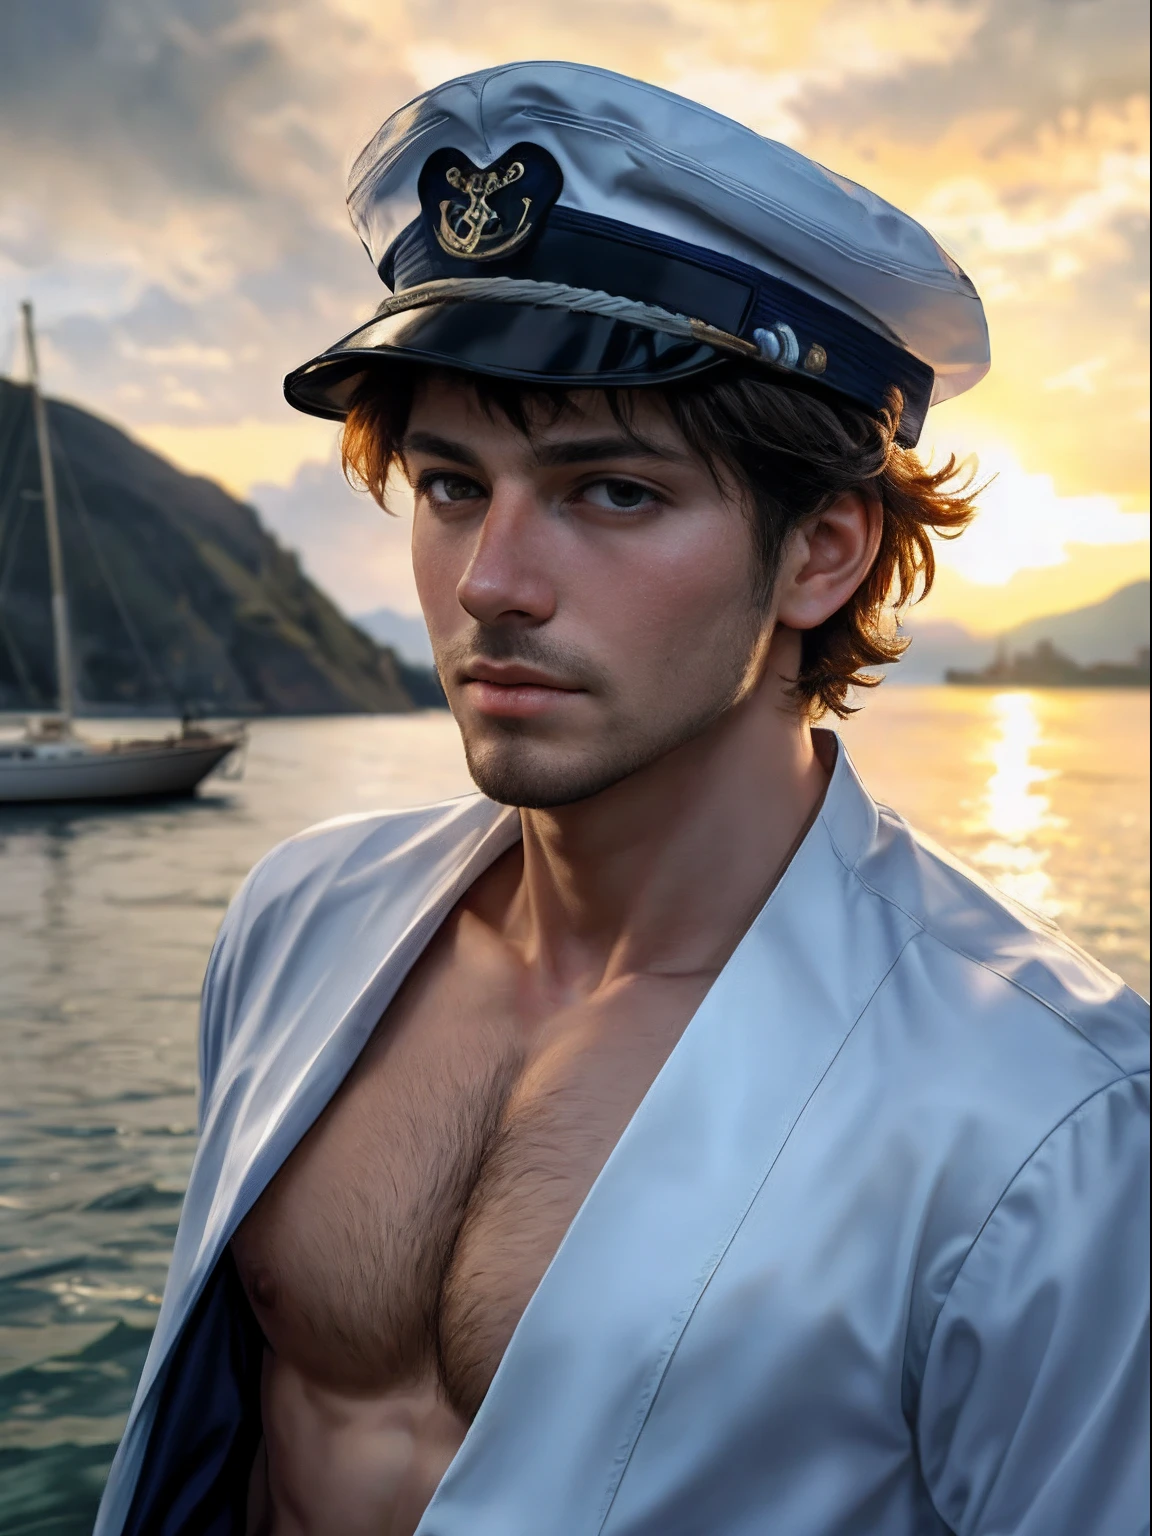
x=173, y=203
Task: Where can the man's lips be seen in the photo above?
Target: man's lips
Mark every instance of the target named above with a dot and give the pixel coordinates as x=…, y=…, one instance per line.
x=514, y=674
x=513, y=691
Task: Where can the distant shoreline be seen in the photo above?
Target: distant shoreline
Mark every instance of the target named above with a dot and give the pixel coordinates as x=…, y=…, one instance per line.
x=1046, y=667
x=977, y=680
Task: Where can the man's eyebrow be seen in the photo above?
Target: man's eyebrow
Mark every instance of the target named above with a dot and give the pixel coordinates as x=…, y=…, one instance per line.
x=438, y=448
x=590, y=450
x=581, y=450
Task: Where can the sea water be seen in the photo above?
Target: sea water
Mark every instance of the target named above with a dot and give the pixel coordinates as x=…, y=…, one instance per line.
x=107, y=916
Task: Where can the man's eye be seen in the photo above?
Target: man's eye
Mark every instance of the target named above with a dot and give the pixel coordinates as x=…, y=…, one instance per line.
x=619, y=495
x=448, y=488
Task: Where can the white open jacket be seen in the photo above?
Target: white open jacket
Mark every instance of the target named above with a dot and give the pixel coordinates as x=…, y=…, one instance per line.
x=869, y=1259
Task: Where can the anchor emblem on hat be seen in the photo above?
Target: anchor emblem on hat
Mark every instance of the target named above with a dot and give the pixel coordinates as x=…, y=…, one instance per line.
x=476, y=230
x=485, y=213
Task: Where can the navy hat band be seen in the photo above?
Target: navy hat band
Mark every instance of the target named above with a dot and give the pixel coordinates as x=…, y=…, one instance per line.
x=588, y=251
x=608, y=289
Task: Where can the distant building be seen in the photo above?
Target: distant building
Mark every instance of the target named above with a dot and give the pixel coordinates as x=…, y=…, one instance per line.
x=1046, y=667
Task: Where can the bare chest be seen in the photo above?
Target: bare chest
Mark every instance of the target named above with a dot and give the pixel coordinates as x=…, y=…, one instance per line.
x=407, y=1232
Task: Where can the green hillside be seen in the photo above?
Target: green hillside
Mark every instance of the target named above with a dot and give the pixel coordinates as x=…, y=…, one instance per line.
x=167, y=567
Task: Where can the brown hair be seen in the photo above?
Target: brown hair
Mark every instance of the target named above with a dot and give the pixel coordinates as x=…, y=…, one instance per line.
x=794, y=451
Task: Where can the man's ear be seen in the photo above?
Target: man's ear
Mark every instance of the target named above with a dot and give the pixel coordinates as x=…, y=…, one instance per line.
x=826, y=558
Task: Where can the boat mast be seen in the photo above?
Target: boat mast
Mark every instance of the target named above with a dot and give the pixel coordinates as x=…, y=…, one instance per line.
x=52, y=526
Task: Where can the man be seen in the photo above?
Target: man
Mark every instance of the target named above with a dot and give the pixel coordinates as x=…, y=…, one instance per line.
x=665, y=1142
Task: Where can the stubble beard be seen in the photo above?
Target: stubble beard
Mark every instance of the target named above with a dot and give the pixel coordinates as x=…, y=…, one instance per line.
x=513, y=763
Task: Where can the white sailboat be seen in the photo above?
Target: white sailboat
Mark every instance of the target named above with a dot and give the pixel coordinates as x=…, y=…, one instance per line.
x=50, y=760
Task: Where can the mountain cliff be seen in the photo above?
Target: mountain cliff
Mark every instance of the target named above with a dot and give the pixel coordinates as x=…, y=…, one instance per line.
x=178, y=597
x=1107, y=632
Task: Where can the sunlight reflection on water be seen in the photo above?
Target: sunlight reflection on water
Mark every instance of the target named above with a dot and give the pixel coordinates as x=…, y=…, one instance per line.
x=1044, y=792
x=1013, y=808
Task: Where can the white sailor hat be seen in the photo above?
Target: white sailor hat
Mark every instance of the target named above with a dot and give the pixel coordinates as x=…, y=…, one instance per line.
x=567, y=226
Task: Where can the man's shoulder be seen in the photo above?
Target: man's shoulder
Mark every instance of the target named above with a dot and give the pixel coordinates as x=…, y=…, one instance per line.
x=1012, y=1062
x=367, y=848
x=977, y=949
x=319, y=914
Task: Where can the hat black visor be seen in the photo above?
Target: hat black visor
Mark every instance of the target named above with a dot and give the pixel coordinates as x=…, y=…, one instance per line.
x=552, y=347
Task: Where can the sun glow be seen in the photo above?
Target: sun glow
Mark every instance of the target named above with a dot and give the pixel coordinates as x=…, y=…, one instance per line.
x=1023, y=523
x=1031, y=549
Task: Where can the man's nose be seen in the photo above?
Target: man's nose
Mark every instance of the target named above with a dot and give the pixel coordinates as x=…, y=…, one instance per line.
x=508, y=575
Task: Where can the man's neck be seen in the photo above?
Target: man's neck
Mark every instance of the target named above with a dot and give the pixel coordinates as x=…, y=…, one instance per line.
x=664, y=871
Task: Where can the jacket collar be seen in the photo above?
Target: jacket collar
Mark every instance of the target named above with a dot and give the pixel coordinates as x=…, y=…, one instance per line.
x=583, y=1368
x=586, y=1360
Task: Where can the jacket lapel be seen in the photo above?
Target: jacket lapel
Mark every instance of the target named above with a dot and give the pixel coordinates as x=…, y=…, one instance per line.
x=573, y=1391
x=571, y=1396
x=292, y=1047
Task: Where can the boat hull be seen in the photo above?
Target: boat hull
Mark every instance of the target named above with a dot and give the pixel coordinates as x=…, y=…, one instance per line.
x=174, y=769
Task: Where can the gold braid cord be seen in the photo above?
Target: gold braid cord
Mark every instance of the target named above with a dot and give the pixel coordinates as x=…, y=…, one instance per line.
x=587, y=301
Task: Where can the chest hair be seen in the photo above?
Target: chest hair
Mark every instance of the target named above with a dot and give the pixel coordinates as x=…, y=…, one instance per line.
x=344, y=1256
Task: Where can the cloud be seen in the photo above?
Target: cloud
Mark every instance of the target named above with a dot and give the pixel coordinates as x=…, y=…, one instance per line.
x=1024, y=523
x=741, y=70
x=246, y=452
x=1083, y=377
x=1024, y=61
x=346, y=543
x=1069, y=195
x=195, y=153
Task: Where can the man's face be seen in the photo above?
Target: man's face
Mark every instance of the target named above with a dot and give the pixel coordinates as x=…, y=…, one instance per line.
x=591, y=603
